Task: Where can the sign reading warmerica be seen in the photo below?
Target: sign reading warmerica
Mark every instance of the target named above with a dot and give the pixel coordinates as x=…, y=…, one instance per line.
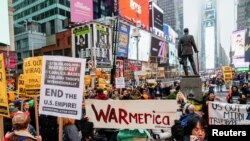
x=132, y=114
x=62, y=86
x=229, y=114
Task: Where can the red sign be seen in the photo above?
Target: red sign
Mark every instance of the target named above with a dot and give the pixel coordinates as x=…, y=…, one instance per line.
x=135, y=11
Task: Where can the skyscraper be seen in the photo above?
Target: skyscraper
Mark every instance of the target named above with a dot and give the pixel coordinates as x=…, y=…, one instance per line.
x=173, y=13
x=49, y=13
x=243, y=14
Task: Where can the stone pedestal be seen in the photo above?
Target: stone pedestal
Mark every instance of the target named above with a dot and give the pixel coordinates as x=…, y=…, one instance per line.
x=192, y=84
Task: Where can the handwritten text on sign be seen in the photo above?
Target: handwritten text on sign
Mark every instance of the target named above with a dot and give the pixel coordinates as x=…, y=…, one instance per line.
x=132, y=114
x=62, y=87
x=228, y=114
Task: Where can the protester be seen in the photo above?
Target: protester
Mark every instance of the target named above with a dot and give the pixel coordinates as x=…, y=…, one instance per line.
x=125, y=95
x=8, y=120
x=233, y=95
x=195, y=130
x=188, y=113
x=70, y=131
x=210, y=97
x=20, y=123
x=242, y=99
x=101, y=95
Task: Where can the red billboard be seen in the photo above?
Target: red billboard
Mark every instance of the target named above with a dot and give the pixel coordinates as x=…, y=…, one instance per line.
x=135, y=11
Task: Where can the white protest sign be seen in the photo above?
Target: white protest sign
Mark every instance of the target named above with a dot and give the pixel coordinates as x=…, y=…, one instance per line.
x=228, y=114
x=132, y=114
x=119, y=82
x=62, y=86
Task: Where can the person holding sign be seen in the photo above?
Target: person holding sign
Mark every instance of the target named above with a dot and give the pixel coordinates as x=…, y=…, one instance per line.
x=20, y=123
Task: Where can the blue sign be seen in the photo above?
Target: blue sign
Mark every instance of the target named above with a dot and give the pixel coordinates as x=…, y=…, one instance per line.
x=123, y=40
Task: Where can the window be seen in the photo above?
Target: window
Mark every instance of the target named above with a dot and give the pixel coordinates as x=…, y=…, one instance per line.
x=69, y=40
x=57, y=42
x=62, y=12
x=52, y=25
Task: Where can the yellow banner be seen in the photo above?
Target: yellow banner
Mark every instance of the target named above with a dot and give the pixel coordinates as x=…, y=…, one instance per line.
x=4, y=107
x=21, y=86
x=32, y=83
x=32, y=65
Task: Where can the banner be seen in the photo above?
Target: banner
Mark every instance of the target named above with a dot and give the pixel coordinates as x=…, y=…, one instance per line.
x=62, y=86
x=228, y=114
x=32, y=69
x=135, y=11
x=247, y=46
x=123, y=40
x=143, y=45
x=132, y=114
x=119, y=82
x=21, y=86
x=158, y=48
x=81, y=10
x=4, y=107
x=103, y=46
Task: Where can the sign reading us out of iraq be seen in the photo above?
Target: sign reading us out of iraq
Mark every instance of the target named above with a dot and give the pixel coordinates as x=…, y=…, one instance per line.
x=228, y=114
x=132, y=114
x=62, y=86
x=32, y=69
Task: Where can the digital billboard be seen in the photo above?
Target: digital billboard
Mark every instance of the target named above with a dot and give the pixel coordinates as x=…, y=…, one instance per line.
x=81, y=10
x=143, y=45
x=210, y=47
x=238, y=47
x=156, y=19
x=247, y=46
x=135, y=11
x=172, y=54
x=158, y=48
x=4, y=27
x=123, y=40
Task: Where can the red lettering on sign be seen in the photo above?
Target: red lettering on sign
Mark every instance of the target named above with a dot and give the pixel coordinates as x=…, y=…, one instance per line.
x=122, y=116
x=101, y=114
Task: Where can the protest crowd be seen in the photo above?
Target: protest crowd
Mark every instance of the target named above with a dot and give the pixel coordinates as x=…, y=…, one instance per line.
x=191, y=122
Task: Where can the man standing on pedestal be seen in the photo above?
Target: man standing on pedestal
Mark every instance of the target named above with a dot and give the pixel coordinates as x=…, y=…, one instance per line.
x=185, y=51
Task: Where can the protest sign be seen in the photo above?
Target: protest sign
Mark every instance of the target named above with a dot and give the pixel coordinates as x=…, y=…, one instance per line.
x=21, y=86
x=4, y=109
x=32, y=69
x=228, y=114
x=62, y=86
x=119, y=82
x=132, y=114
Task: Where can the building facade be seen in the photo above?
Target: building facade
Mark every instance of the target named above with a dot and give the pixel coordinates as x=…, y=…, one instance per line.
x=243, y=14
x=49, y=13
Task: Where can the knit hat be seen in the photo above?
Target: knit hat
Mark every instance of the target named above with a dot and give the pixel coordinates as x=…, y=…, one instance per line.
x=13, y=109
x=19, y=118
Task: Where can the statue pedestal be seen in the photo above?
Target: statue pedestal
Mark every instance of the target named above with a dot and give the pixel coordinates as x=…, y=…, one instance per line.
x=192, y=84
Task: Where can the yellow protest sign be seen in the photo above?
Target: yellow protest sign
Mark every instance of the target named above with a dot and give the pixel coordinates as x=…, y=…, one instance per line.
x=21, y=86
x=4, y=107
x=32, y=65
x=32, y=69
x=32, y=84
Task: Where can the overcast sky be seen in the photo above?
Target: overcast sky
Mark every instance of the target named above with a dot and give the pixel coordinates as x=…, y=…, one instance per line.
x=225, y=15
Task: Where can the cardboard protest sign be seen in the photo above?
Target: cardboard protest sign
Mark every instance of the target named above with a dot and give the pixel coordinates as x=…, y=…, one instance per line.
x=132, y=114
x=4, y=107
x=119, y=82
x=228, y=114
x=62, y=86
x=32, y=69
x=21, y=86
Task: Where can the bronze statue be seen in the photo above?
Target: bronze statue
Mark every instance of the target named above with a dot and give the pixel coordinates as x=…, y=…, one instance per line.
x=185, y=50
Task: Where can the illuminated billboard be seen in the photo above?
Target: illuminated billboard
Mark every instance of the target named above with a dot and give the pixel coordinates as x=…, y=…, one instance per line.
x=238, y=47
x=123, y=40
x=81, y=10
x=135, y=11
x=4, y=27
x=156, y=19
x=210, y=47
x=143, y=45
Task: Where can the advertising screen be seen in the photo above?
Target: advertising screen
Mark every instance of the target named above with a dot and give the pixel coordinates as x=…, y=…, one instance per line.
x=238, y=47
x=247, y=46
x=172, y=54
x=81, y=10
x=158, y=48
x=143, y=45
x=123, y=40
x=209, y=47
x=156, y=19
x=135, y=11
x=4, y=28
